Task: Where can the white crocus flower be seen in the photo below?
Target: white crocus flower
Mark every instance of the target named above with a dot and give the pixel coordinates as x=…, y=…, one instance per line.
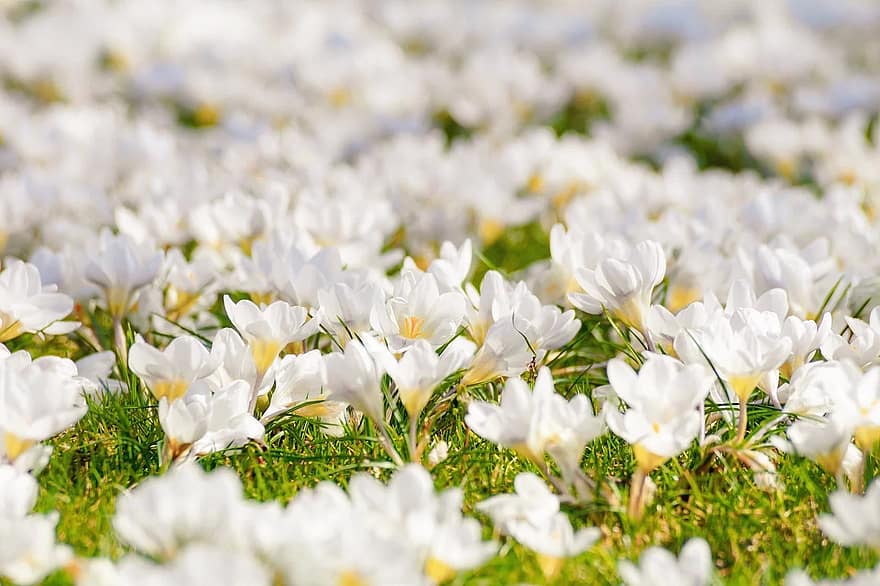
x=537, y=422
x=420, y=369
x=121, y=268
x=418, y=311
x=27, y=306
x=355, y=378
x=532, y=502
x=553, y=539
x=346, y=308
x=823, y=440
x=184, y=421
x=661, y=418
x=658, y=566
x=855, y=519
x=164, y=514
x=234, y=359
x=858, y=407
x=35, y=405
x=745, y=348
x=503, y=353
x=301, y=387
x=623, y=284
x=28, y=550
x=267, y=331
x=230, y=423
x=861, y=347
x=169, y=372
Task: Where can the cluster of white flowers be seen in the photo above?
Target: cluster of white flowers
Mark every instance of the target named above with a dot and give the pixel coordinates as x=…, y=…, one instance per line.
x=248, y=211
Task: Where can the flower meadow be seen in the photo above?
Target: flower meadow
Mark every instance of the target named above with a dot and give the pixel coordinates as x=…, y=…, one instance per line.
x=466, y=292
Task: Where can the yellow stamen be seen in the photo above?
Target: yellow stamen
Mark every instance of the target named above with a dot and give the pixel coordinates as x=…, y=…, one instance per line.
x=412, y=327
x=9, y=328
x=262, y=298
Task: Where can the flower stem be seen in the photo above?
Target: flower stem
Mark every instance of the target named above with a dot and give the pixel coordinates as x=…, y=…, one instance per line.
x=119, y=340
x=385, y=440
x=636, y=495
x=413, y=432
x=743, y=421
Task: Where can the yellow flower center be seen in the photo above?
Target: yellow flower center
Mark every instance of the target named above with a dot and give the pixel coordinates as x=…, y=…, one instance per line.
x=170, y=389
x=490, y=230
x=264, y=353
x=412, y=327
x=339, y=97
x=550, y=565
x=206, y=115
x=744, y=385
x=350, y=578
x=439, y=571
x=16, y=446
x=179, y=303
x=9, y=327
x=867, y=436
x=681, y=296
x=646, y=460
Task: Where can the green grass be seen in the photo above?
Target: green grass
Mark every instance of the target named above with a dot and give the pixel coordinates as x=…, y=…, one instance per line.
x=756, y=536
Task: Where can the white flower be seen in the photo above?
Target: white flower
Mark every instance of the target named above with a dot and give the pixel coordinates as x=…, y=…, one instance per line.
x=230, y=422
x=300, y=385
x=267, y=331
x=346, y=308
x=418, y=311
x=26, y=305
x=532, y=502
x=538, y=422
x=354, y=377
x=170, y=371
x=121, y=268
x=164, y=514
x=420, y=369
x=553, y=537
x=622, y=284
x=862, y=347
x=745, y=348
x=35, y=405
x=855, y=519
x=503, y=353
x=184, y=421
x=28, y=550
x=658, y=566
x=662, y=399
x=823, y=440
